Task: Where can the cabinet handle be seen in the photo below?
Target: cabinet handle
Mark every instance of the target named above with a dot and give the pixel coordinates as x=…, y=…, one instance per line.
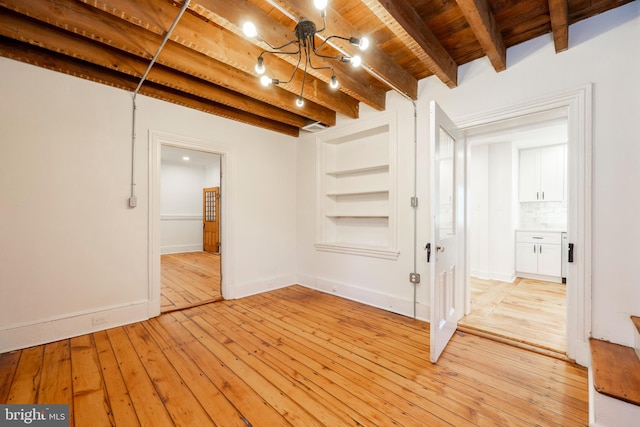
x=543, y=195
x=537, y=195
x=534, y=249
x=540, y=248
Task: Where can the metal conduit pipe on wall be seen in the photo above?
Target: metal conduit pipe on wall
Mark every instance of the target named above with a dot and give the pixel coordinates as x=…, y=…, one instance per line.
x=133, y=201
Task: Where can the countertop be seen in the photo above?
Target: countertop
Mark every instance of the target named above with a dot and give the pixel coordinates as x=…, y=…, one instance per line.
x=542, y=229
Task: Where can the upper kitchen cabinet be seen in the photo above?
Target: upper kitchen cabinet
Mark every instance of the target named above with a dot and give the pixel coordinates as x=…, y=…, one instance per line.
x=541, y=174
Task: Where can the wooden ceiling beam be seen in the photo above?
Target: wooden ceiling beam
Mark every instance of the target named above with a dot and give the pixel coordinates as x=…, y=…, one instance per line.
x=410, y=28
x=211, y=40
x=33, y=55
x=559, y=13
x=96, y=25
x=36, y=33
x=483, y=25
x=231, y=14
x=375, y=61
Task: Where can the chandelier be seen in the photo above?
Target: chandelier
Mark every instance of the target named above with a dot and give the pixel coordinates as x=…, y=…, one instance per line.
x=305, y=32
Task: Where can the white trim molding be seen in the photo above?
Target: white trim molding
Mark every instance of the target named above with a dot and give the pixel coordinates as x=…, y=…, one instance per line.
x=156, y=140
x=576, y=106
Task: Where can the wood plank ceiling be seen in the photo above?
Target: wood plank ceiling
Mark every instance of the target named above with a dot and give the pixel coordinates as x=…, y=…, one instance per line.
x=208, y=63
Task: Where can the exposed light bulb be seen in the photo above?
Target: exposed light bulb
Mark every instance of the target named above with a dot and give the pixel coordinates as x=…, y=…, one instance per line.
x=185, y=158
x=356, y=61
x=265, y=81
x=320, y=4
x=364, y=43
x=300, y=102
x=334, y=82
x=249, y=29
x=260, y=66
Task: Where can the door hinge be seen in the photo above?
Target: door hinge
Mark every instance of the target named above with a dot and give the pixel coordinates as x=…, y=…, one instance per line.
x=414, y=202
x=414, y=278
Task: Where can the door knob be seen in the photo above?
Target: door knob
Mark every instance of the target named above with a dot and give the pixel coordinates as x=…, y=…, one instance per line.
x=440, y=248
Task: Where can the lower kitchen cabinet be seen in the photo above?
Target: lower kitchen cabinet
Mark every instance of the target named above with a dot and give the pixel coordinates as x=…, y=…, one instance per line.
x=539, y=253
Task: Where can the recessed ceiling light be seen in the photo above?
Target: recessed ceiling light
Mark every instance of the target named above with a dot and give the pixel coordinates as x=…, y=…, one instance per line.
x=185, y=158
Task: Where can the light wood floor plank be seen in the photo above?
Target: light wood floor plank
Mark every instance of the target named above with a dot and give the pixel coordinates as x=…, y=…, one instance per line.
x=182, y=406
x=397, y=364
x=220, y=410
x=294, y=357
x=56, y=381
x=8, y=368
x=251, y=356
x=89, y=395
x=254, y=408
x=122, y=411
x=278, y=399
x=529, y=311
x=26, y=382
x=339, y=386
x=282, y=360
x=189, y=279
x=148, y=405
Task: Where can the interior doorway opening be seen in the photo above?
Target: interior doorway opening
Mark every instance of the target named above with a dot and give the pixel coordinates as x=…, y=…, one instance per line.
x=517, y=222
x=190, y=199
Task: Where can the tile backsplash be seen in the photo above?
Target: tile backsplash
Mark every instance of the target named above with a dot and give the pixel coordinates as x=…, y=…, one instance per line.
x=543, y=215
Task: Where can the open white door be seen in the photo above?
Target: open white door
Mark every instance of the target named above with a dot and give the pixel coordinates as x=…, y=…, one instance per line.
x=447, y=229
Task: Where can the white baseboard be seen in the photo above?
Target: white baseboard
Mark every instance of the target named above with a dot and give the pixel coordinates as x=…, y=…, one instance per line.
x=178, y=249
x=539, y=277
x=247, y=289
x=491, y=275
x=352, y=292
x=72, y=325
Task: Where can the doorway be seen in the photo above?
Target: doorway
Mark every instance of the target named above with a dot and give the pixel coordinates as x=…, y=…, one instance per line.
x=518, y=215
x=189, y=222
x=575, y=106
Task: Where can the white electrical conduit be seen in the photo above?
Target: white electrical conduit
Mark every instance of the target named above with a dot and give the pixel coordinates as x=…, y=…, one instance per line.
x=132, y=198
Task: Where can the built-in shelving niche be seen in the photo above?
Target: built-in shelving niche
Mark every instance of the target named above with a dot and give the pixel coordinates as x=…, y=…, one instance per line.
x=356, y=190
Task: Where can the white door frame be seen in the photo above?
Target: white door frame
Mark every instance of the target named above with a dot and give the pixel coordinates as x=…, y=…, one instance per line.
x=156, y=140
x=576, y=106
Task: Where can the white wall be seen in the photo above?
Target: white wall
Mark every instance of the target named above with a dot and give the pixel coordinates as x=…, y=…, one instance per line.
x=73, y=255
x=181, y=205
x=534, y=71
x=491, y=211
x=596, y=54
x=379, y=282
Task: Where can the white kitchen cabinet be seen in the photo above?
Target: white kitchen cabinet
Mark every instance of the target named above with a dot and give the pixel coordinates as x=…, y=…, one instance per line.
x=539, y=253
x=541, y=174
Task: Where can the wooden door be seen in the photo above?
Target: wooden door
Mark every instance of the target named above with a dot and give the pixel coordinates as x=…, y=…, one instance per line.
x=447, y=230
x=211, y=219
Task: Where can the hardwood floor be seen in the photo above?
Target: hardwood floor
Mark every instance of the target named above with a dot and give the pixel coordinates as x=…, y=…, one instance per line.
x=297, y=357
x=189, y=279
x=527, y=311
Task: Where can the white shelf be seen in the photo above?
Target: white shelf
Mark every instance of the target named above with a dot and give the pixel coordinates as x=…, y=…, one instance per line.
x=356, y=215
x=355, y=249
x=356, y=193
x=356, y=190
x=372, y=168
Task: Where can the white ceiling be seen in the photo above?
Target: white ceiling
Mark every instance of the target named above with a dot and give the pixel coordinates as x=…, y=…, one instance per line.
x=196, y=158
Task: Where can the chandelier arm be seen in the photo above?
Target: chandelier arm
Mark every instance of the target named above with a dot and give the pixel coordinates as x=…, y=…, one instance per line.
x=324, y=22
x=295, y=69
x=307, y=61
x=326, y=40
x=326, y=67
x=275, y=48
